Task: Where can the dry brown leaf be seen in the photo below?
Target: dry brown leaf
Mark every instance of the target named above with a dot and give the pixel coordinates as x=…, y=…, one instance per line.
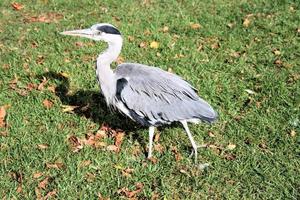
x=131, y=194
x=293, y=133
x=51, y=88
x=50, y=194
x=179, y=56
x=159, y=148
x=47, y=103
x=230, y=25
x=43, y=184
x=120, y=60
x=136, y=150
x=75, y=143
x=31, y=86
x=195, y=26
x=43, y=146
x=56, y=165
x=143, y=45
x=90, y=177
x=154, y=45
x=229, y=156
x=19, y=188
x=45, y=18
x=153, y=160
x=177, y=155
x=2, y=116
x=165, y=29
x=130, y=38
x=42, y=84
x=38, y=193
x=211, y=134
x=118, y=139
x=112, y=148
x=68, y=108
x=231, y=146
x=156, y=137
x=17, y=6
x=3, y=133
x=85, y=163
x=127, y=172
x=246, y=22
x=215, y=45
x=276, y=52
x=37, y=175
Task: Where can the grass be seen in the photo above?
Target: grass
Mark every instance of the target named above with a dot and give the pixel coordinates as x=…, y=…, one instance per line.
x=232, y=59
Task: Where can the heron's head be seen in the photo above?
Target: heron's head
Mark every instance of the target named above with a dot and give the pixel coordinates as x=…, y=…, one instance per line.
x=105, y=32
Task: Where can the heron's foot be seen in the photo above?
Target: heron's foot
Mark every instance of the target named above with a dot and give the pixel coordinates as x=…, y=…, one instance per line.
x=195, y=152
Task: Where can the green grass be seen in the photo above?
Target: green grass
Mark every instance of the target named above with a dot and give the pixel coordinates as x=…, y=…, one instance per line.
x=265, y=163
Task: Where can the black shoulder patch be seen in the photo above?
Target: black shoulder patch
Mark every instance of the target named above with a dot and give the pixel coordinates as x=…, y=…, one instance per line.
x=108, y=29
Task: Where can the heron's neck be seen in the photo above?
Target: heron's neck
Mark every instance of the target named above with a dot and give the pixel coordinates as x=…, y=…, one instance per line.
x=104, y=73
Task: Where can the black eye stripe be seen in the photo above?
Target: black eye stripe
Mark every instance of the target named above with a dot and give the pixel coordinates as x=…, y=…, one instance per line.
x=108, y=29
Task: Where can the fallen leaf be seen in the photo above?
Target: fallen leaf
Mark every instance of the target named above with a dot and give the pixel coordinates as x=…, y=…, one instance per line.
x=157, y=137
x=90, y=177
x=45, y=18
x=159, y=148
x=278, y=62
x=17, y=6
x=79, y=44
x=112, y=148
x=293, y=133
x=211, y=134
x=118, y=139
x=64, y=74
x=165, y=29
x=143, y=45
x=51, y=88
x=42, y=84
x=31, y=86
x=50, y=194
x=19, y=188
x=177, y=155
x=75, y=143
x=170, y=70
x=231, y=146
x=120, y=60
x=179, y=56
x=154, y=45
x=43, y=184
x=127, y=172
x=47, y=103
x=85, y=163
x=230, y=25
x=276, y=52
x=3, y=133
x=183, y=171
x=37, y=175
x=56, y=165
x=130, y=38
x=235, y=54
x=43, y=146
x=215, y=45
x=2, y=116
x=246, y=22
x=68, y=108
x=195, y=26
x=229, y=156
x=153, y=160
x=131, y=194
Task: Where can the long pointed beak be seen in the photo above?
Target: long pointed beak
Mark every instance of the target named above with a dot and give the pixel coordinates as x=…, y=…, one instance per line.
x=81, y=33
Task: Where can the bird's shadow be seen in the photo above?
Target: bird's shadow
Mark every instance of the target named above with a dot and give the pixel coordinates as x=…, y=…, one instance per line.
x=91, y=105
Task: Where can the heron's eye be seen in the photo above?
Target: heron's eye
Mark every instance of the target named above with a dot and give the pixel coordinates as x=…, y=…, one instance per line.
x=98, y=32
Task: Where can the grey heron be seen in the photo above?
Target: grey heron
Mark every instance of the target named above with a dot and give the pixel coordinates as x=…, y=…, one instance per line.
x=148, y=95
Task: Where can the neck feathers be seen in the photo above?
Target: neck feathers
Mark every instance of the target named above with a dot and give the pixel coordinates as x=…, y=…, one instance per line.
x=105, y=74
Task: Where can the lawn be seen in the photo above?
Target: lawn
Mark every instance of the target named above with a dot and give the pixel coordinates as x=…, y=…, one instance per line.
x=57, y=138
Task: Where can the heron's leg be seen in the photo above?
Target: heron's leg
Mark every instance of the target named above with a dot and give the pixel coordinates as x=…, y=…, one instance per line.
x=187, y=130
x=151, y=134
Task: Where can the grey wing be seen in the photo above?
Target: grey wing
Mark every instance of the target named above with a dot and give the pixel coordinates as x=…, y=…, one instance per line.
x=155, y=97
